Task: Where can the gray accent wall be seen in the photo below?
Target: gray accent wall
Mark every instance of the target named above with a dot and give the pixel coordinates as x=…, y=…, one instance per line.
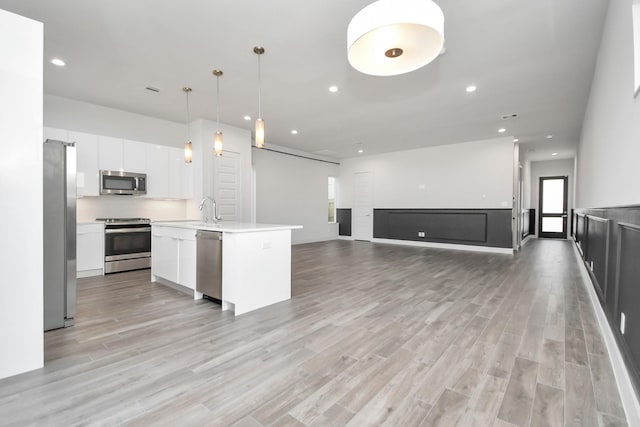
x=479, y=227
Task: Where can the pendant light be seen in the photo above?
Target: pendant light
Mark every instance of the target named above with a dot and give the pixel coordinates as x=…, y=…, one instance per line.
x=391, y=37
x=217, y=141
x=188, y=149
x=258, y=50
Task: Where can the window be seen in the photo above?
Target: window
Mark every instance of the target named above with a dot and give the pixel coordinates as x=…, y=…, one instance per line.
x=332, y=199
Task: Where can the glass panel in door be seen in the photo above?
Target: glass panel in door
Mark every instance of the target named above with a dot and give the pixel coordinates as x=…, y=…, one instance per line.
x=553, y=207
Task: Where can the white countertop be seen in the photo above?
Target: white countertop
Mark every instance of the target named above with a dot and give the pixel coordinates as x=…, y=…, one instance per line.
x=226, y=227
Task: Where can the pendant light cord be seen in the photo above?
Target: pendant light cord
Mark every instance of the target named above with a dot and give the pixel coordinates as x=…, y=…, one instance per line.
x=218, y=102
x=188, y=117
x=259, y=90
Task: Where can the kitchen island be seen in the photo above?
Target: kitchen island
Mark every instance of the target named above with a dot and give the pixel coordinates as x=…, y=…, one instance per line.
x=256, y=261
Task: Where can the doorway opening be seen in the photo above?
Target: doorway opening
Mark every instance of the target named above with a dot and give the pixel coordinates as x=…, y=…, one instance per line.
x=552, y=221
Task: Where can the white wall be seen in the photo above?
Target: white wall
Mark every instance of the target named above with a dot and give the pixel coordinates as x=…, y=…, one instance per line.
x=234, y=139
x=563, y=167
x=476, y=174
x=21, y=306
x=65, y=113
x=608, y=153
x=293, y=190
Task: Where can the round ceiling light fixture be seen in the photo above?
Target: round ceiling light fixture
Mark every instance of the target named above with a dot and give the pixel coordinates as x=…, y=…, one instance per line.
x=58, y=62
x=392, y=37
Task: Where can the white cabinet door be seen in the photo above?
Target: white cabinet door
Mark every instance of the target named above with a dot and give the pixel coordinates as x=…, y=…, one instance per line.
x=187, y=262
x=176, y=173
x=54, y=133
x=110, y=153
x=164, y=254
x=157, y=171
x=134, y=156
x=90, y=247
x=88, y=177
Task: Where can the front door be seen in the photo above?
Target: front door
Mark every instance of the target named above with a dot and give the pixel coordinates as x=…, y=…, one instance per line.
x=553, y=207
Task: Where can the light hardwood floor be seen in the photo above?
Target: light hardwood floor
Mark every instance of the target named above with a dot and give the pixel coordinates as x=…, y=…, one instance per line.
x=374, y=335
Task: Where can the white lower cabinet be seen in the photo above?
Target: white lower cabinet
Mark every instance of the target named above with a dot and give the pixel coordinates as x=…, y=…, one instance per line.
x=174, y=255
x=90, y=249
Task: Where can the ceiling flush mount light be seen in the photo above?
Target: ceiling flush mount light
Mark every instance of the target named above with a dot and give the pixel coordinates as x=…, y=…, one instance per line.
x=516, y=140
x=188, y=149
x=294, y=132
x=217, y=141
x=247, y=118
x=471, y=88
x=258, y=50
x=549, y=136
x=58, y=62
x=392, y=37
x=554, y=154
x=502, y=130
x=333, y=89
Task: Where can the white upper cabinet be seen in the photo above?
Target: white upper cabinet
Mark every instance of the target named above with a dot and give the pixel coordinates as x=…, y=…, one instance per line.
x=88, y=177
x=157, y=171
x=110, y=153
x=134, y=156
x=54, y=133
x=168, y=176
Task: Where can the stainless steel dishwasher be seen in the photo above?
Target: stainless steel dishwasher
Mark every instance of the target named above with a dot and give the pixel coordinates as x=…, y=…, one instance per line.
x=209, y=263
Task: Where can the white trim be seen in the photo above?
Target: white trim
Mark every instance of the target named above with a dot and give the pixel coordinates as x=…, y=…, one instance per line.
x=345, y=238
x=623, y=380
x=526, y=239
x=473, y=248
x=89, y=273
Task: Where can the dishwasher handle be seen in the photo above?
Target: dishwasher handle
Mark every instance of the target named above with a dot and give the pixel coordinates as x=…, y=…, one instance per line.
x=214, y=235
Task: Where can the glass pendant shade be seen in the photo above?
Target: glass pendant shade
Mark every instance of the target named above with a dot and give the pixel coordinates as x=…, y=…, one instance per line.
x=392, y=37
x=260, y=133
x=217, y=143
x=188, y=152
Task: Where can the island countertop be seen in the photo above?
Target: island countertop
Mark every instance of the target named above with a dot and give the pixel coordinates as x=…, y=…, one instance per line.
x=226, y=227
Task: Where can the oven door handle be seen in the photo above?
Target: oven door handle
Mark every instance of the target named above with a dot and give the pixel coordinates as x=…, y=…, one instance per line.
x=127, y=230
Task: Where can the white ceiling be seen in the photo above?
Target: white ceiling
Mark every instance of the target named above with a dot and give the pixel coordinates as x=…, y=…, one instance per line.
x=534, y=58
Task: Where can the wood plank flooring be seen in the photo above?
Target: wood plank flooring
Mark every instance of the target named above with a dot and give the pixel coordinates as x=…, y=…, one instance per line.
x=374, y=335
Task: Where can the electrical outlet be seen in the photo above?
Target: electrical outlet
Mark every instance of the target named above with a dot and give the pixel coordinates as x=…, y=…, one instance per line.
x=623, y=323
x=420, y=233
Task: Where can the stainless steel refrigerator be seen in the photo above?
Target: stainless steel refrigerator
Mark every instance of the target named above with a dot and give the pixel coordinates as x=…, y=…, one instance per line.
x=59, y=160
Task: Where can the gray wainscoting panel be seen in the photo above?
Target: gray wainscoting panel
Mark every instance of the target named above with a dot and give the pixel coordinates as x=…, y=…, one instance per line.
x=610, y=237
x=628, y=288
x=481, y=227
x=343, y=217
x=597, y=258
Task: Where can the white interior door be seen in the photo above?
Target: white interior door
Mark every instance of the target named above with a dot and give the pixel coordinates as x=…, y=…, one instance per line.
x=228, y=191
x=363, y=206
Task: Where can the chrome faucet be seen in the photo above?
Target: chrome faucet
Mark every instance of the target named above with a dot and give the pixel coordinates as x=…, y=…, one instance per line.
x=212, y=210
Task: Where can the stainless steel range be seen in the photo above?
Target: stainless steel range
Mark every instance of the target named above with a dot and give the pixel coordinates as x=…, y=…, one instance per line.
x=127, y=244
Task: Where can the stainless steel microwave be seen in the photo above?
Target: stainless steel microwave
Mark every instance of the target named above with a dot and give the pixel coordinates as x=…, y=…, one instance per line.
x=117, y=182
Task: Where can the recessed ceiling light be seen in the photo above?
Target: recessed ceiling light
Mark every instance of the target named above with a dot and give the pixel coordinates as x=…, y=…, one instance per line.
x=59, y=62
x=554, y=154
x=502, y=130
x=247, y=118
x=549, y=136
x=361, y=151
x=333, y=89
x=294, y=132
x=515, y=140
x=471, y=88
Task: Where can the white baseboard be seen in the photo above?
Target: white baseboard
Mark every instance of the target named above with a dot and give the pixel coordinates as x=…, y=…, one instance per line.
x=473, y=248
x=623, y=380
x=89, y=273
x=345, y=238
